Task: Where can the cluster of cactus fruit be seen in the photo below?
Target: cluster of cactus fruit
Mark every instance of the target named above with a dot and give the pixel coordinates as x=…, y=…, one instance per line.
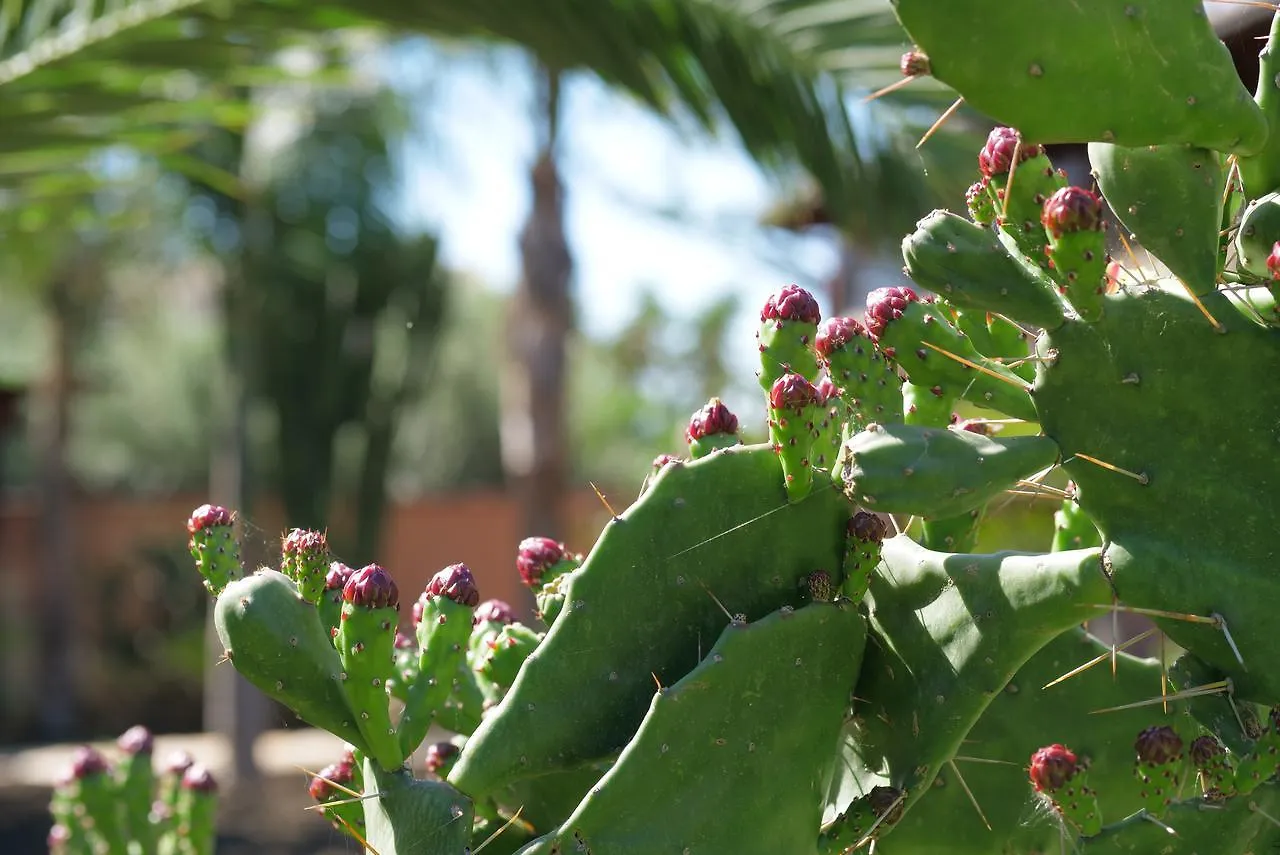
x=793, y=646
x=127, y=808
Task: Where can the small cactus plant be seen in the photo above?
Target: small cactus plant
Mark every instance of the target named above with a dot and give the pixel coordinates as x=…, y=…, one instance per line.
x=127, y=808
x=793, y=646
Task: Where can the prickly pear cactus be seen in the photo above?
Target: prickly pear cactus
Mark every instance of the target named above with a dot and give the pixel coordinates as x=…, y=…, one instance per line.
x=793, y=646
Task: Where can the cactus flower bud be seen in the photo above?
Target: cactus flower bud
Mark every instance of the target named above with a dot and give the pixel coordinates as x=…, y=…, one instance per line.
x=867, y=527
x=371, y=587
x=713, y=418
x=208, y=516
x=1205, y=749
x=213, y=547
x=495, y=611
x=887, y=802
x=826, y=390
x=178, y=762
x=1273, y=261
x=1072, y=209
x=337, y=577
x=537, y=555
x=305, y=559
x=979, y=202
x=456, y=583
x=199, y=779
x=885, y=305
x=86, y=762
x=136, y=740
x=792, y=392
x=836, y=332
x=440, y=758
x=791, y=303
x=322, y=785
x=1158, y=745
x=1052, y=768
x=996, y=157
x=914, y=63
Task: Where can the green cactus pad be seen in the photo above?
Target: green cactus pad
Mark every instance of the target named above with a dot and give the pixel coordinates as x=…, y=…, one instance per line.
x=1170, y=198
x=1178, y=540
x=969, y=266
x=1022, y=718
x=365, y=641
x=1259, y=231
x=908, y=338
x=1228, y=828
x=925, y=407
x=274, y=639
x=444, y=633
x=935, y=472
x=412, y=817
x=1018, y=220
x=1039, y=68
x=1260, y=172
x=713, y=527
x=1072, y=528
x=507, y=652
x=948, y=631
x=766, y=704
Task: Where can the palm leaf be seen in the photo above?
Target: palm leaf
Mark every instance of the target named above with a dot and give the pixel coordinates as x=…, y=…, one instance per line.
x=75, y=74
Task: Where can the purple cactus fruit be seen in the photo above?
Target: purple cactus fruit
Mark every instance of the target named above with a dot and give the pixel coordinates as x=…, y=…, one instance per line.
x=1273, y=261
x=86, y=762
x=1052, y=768
x=713, y=418
x=867, y=527
x=885, y=305
x=996, y=157
x=440, y=758
x=819, y=584
x=456, y=583
x=371, y=587
x=914, y=63
x=835, y=333
x=199, y=779
x=496, y=611
x=791, y=303
x=1157, y=745
x=136, y=740
x=338, y=576
x=792, y=392
x=1205, y=749
x=178, y=762
x=322, y=785
x=537, y=555
x=1072, y=209
x=208, y=516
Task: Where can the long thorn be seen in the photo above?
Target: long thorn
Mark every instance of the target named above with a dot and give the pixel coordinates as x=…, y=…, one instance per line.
x=890, y=89
x=1217, y=327
x=1198, y=691
x=494, y=836
x=1149, y=818
x=331, y=783
x=1129, y=249
x=356, y=834
x=1101, y=657
x=942, y=120
x=1164, y=676
x=604, y=501
x=984, y=369
x=968, y=792
x=870, y=835
x=1160, y=613
x=717, y=602
x=1222, y=625
x=966, y=759
x=1140, y=477
x=1253, y=806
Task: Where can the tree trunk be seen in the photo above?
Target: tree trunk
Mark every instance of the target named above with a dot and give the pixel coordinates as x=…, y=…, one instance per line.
x=539, y=321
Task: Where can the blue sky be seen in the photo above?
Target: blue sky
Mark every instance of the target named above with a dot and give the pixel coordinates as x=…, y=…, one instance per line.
x=645, y=205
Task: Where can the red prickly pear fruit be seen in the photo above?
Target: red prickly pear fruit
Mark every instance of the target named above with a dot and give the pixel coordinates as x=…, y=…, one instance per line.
x=199, y=779
x=836, y=332
x=337, y=577
x=865, y=532
x=1052, y=768
x=371, y=587
x=330, y=604
x=440, y=759
x=792, y=393
x=885, y=305
x=996, y=156
x=213, y=547
x=1273, y=261
x=1158, y=745
x=826, y=390
x=711, y=428
x=87, y=762
x=494, y=611
x=791, y=303
x=137, y=740
x=455, y=583
x=914, y=63
x=1072, y=209
x=305, y=560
